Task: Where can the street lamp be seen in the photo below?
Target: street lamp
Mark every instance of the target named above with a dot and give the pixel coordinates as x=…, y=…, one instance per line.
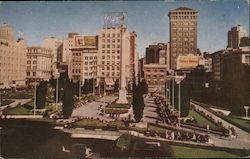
x=246, y=109
x=35, y=100
x=57, y=91
x=178, y=80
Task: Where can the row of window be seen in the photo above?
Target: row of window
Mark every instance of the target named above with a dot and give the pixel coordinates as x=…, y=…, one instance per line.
x=185, y=43
x=155, y=76
x=29, y=62
x=155, y=82
x=108, y=51
x=109, y=40
x=110, y=62
x=109, y=35
x=108, y=46
x=155, y=70
x=108, y=74
x=184, y=17
x=110, y=68
x=183, y=23
x=108, y=57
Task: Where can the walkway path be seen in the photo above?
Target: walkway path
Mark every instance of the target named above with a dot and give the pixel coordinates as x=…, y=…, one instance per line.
x=90, y=110
x=242, y=140
x=149, y=113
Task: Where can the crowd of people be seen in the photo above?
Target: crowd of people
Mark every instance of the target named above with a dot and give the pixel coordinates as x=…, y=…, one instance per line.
x=164, y=114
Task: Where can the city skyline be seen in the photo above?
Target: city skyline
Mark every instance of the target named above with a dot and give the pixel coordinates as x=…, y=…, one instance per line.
x=149, y=19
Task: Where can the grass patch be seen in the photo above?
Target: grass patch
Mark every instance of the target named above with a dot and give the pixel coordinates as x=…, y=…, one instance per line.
x=239, y=121
x=155, y=128
x=6, y=102
x=203, y=122
x=114, y=105
x=21, y=110
x=188, y=152
x=90, y=122
x=115, y=111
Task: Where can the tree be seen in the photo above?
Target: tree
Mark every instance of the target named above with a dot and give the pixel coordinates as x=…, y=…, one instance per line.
x=138, y=102
x=68, y=98
x=41, y=93
x=144, y=86
x=116, y=86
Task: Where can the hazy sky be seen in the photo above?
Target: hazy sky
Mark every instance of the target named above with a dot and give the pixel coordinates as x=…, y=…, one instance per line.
x=148, y=18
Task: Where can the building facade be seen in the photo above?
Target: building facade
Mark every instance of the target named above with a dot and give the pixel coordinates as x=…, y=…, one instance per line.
x=234, y=36
x=109, y=55
x=39, y=64
x=56, y=46
x=183, y=33
x=155, y=76
x=83, y=58
x=13, y=58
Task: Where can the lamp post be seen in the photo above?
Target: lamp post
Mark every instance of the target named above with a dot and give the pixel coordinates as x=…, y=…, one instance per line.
x=178, y=80
x=80, y=88
x=35, y=100
x=246, y=109
x=57, y=91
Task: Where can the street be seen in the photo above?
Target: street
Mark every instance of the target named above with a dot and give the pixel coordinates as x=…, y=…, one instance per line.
x=90, y=110
x=149, y=113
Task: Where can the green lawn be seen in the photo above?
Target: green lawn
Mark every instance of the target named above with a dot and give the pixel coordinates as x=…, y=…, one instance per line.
x=202, y=121
x=114, y=105
x=21, y=110
x=188, y=152
x=115, y=111
x=155, y=128
x=90, y=122
x=27, y=108
x=239, y=121
x=6, y=102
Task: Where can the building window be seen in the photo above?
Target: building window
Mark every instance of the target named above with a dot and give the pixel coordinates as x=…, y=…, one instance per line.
x=118, y=57
x=34, y=62
x=103, y=46
x=103, y=35
x=103, y=57
x=28, y=73
x=108, y=51
x=108, y=35
x=34, y=73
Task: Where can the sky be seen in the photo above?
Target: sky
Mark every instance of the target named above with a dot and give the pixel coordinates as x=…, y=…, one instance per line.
x=149, y=19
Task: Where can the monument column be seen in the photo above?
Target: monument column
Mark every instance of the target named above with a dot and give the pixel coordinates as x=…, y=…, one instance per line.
x=122, y=92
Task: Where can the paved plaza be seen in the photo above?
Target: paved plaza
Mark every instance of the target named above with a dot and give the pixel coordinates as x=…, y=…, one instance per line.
x=90, y=110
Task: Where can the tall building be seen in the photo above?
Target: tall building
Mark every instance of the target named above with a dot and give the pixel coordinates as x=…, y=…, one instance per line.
x=153, y=52
x=39, y=64
x=109, y=55
x=56, y=46
x=83, y=58
x=183, y=33
x=234, y=36
x=13, y=58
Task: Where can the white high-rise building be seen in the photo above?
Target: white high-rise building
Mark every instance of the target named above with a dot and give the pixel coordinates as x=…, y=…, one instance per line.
x=13, y=59
x=56, y=46
x=109, y=55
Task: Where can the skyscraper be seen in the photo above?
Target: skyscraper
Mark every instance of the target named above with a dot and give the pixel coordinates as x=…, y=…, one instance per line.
x=234, y=36
x=183, y=33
